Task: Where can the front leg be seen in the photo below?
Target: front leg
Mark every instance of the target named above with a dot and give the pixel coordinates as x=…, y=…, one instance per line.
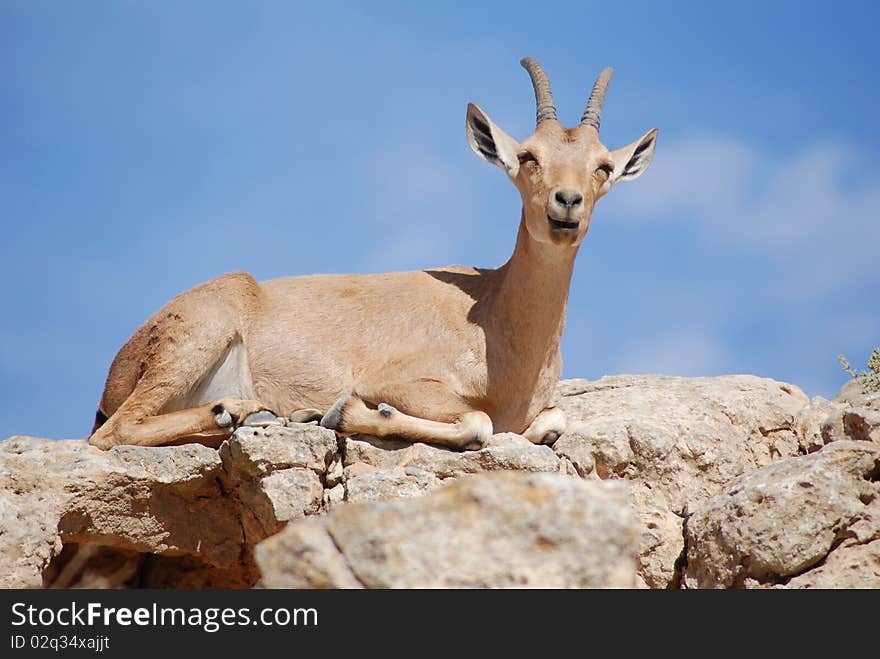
x=350, y=415
x=547, y=426
x=209, y=424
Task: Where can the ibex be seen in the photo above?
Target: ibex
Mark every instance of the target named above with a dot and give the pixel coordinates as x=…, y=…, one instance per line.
x=446, y=356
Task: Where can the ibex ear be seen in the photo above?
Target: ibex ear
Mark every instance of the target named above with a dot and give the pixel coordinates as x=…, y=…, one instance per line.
x=490, y=142
x=631, y=161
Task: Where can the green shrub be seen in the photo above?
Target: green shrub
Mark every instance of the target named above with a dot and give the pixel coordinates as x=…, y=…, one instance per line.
x=870, y=378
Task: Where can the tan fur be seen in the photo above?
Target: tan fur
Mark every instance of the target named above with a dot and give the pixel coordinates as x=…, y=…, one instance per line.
x=457, y=353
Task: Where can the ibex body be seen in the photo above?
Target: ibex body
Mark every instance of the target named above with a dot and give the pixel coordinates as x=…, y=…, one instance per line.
x=448, y=355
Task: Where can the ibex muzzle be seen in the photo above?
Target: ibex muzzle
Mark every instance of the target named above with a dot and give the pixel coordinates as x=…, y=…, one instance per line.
x=565, y=211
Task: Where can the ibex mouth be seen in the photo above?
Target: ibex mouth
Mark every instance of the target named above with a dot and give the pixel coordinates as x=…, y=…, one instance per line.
x=561, y=225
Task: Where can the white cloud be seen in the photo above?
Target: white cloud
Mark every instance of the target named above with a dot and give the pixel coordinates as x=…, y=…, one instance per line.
x=815, y=210
x=688, y=352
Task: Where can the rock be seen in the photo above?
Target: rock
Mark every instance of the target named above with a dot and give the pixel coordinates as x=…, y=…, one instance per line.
x=661, y=544
x=678, y=441
x=384, y=469
x=333, y=497
x=190, y=516
x=488, y=530
x=851, y=565
x=293, y=493
x=304, y=555
x=260, y=451
x=133, y=499
x=334, y=474
x=384, y=484
x=578, y=448
x=686, y=436
x=785, y=518
x=505, y=451
x=861, y=424
x=181, y=515
x=811, y=421
x=275, y=474
x=853, y=394
x=856, y=415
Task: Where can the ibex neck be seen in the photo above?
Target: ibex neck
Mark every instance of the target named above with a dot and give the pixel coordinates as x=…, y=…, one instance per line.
x=528, y=305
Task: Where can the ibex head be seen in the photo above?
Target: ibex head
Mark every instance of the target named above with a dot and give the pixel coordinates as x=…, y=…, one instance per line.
x=560, y=172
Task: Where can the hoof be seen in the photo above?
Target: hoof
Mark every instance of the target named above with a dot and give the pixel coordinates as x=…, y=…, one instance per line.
x=335, y=415
x=475, y=444
x=550, y=437
x=100, y=441
x=223, y=418
x=306, y=416
x=261, y=419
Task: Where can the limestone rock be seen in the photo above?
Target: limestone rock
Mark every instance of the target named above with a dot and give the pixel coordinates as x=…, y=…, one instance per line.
x=811, y=423
x=293, y=493
x=275, y=474
x=260, y=451
x=852, y=565
x=385, y=484
x=333, y=497
x=190, y=516
x=686, y=436
x=488, y=530
x=787, y=517
x=181, y=515
x=856, y=415
x=661, y=544
x=132, y=498
x=859, y=423
x=304, y=555
x=505, y=451
x=853, y=394
x=678, y=441
x=378, y=469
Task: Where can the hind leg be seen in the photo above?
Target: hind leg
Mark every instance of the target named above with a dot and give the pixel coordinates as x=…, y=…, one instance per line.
x=214, y=421
x=181, y=377
x=418, y=409
x=351, y=415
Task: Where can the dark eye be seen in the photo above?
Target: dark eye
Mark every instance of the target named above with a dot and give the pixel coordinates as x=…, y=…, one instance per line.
x=527, y=156
x=605, y=168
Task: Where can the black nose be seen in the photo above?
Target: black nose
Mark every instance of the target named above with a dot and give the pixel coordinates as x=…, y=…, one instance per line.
x=569, y=198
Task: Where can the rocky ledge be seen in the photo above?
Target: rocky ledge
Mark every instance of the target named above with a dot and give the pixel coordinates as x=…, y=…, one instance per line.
x=660, y=482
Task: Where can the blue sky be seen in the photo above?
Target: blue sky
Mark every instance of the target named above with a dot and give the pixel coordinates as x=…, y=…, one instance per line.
x=146, y=147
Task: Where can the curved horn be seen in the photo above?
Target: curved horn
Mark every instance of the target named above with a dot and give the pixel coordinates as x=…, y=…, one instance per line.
x=546, y=109
x=593, y=113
